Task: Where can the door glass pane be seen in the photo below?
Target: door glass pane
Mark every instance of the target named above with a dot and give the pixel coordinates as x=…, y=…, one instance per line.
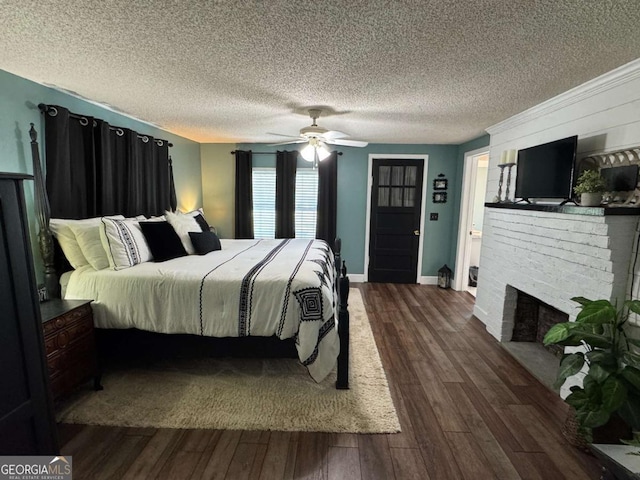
x=383, y=196
x=410, y=174
x=397, y=176
x=396, y=197
x=385, y=175
x=409, y=196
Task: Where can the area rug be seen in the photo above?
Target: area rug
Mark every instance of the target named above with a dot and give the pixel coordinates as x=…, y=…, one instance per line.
x=246, y=394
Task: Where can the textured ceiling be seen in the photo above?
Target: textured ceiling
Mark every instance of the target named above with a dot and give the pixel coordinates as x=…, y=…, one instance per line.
x=436, y=71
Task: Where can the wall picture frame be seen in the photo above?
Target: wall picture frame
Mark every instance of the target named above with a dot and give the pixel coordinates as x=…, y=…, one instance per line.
x=440, y=184
x=439, y=197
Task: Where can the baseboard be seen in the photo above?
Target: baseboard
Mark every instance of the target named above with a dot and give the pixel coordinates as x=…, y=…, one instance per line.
x=359, y=278
x=428, y=281
x=356, y=277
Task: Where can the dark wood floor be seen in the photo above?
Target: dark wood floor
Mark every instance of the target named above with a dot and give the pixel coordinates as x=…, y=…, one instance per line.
x=468, y=410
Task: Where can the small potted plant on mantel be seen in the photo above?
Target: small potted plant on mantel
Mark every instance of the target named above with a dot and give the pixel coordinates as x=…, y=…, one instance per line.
x=590, y=187
x=610, y=390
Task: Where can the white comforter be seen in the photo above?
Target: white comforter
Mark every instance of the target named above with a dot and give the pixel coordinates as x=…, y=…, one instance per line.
x=250, y=287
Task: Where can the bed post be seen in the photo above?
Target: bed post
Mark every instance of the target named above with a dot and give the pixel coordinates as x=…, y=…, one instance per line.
x=43, y=214
x=342, y=382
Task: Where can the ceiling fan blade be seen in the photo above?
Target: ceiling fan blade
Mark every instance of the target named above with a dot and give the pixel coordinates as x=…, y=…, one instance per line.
x=299, y=140
x=282, y=135
x=334, y=134
x=348, y=143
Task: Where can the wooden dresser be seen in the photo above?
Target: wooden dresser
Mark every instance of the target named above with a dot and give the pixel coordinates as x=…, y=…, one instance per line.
x=70, y=344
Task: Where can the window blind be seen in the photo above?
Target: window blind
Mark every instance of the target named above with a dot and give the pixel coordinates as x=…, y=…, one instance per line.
x=306, y=202
x=264, y=202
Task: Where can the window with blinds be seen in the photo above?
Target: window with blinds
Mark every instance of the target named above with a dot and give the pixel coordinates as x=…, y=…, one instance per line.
x=306, y=202
x=264, y=202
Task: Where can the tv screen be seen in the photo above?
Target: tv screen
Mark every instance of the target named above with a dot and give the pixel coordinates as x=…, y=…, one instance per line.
x=621, y=179
x=546, y=171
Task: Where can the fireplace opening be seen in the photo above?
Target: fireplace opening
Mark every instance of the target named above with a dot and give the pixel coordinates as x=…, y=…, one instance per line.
x=533, y=319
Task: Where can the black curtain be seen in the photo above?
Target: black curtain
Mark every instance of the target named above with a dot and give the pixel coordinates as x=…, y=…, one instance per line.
x=286, y=194
x=327, y=199
x=95, y=169
x=244, y=195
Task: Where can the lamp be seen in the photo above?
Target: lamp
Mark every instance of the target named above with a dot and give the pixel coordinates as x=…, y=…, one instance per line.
x=315, y=151
x=444, y=277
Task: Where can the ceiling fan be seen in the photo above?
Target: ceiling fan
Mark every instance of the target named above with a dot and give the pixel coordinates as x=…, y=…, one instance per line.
x=316, y=139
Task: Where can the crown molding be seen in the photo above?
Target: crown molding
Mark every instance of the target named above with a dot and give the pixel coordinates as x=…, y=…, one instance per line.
x=621, y=75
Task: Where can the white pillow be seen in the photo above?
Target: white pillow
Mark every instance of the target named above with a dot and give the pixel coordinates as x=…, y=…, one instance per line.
x=88, y=237
x=61, y=228
x=183, y=224
x=124, y=243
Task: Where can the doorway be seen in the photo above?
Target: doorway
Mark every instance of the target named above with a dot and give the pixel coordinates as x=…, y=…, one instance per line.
x=474, y=188
x=395, y=217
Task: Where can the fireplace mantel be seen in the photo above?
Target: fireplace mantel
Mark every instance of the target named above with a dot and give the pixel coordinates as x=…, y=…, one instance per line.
x=569, y=209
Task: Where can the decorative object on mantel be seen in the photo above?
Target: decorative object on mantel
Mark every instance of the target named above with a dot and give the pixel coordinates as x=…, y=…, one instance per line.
x=502, y=166
x=508, y=157
x=444, y=277
x=590, y=187
x=615, y=159
x=610, y=390
x=440, y=183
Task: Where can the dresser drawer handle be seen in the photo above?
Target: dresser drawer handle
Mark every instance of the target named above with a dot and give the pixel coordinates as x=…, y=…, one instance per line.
x=63, y=339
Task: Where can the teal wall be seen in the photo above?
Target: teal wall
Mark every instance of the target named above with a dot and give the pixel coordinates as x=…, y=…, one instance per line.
x=18, y=106
x=439, y=237
x=352, y=203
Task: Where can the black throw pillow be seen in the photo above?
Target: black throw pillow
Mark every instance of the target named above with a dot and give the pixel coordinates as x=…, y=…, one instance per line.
x=163, y=241
x=205, y=242
x=202, y=222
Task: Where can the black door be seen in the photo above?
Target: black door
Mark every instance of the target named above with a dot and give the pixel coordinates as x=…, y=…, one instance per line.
x=27, y=426
x=396, y=199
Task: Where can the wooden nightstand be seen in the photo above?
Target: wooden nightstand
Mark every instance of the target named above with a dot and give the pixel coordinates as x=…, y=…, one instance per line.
x=70, y=344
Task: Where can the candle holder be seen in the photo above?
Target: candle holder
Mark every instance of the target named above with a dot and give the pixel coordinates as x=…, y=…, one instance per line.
x=506, y=194
x=501, y=182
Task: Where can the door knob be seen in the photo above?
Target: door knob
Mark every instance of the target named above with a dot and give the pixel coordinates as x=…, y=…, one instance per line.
x=416, y=233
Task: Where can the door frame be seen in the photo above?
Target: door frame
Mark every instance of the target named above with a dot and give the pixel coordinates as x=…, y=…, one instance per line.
x=463, y=252
x=367, y=234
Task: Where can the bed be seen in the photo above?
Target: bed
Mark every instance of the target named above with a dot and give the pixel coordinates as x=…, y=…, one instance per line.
x=291, y=290
x=284, y=288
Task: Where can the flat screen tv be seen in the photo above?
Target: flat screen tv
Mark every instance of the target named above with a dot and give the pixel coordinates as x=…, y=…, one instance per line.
x=546, y=171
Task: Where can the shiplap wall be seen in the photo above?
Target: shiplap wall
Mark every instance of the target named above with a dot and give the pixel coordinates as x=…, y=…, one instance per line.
x=605, y=114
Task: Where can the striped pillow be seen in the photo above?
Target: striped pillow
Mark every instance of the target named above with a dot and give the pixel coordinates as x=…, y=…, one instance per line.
x=124, y=243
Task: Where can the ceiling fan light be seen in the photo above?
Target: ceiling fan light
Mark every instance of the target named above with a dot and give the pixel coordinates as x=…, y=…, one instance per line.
x=323, y=152
x=307, y=153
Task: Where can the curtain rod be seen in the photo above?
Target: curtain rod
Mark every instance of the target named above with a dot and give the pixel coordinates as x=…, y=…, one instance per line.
x=233, y=152
x=53, y=111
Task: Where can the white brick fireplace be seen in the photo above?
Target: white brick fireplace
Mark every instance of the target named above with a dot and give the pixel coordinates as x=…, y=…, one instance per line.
x=552, y=257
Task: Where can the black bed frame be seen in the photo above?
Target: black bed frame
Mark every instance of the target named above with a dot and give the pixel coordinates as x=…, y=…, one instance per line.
x=113, y=344
x=138, y=347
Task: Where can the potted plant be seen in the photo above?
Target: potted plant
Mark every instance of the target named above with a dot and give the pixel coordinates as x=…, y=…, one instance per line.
x=611, y=384
x=590, y=187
